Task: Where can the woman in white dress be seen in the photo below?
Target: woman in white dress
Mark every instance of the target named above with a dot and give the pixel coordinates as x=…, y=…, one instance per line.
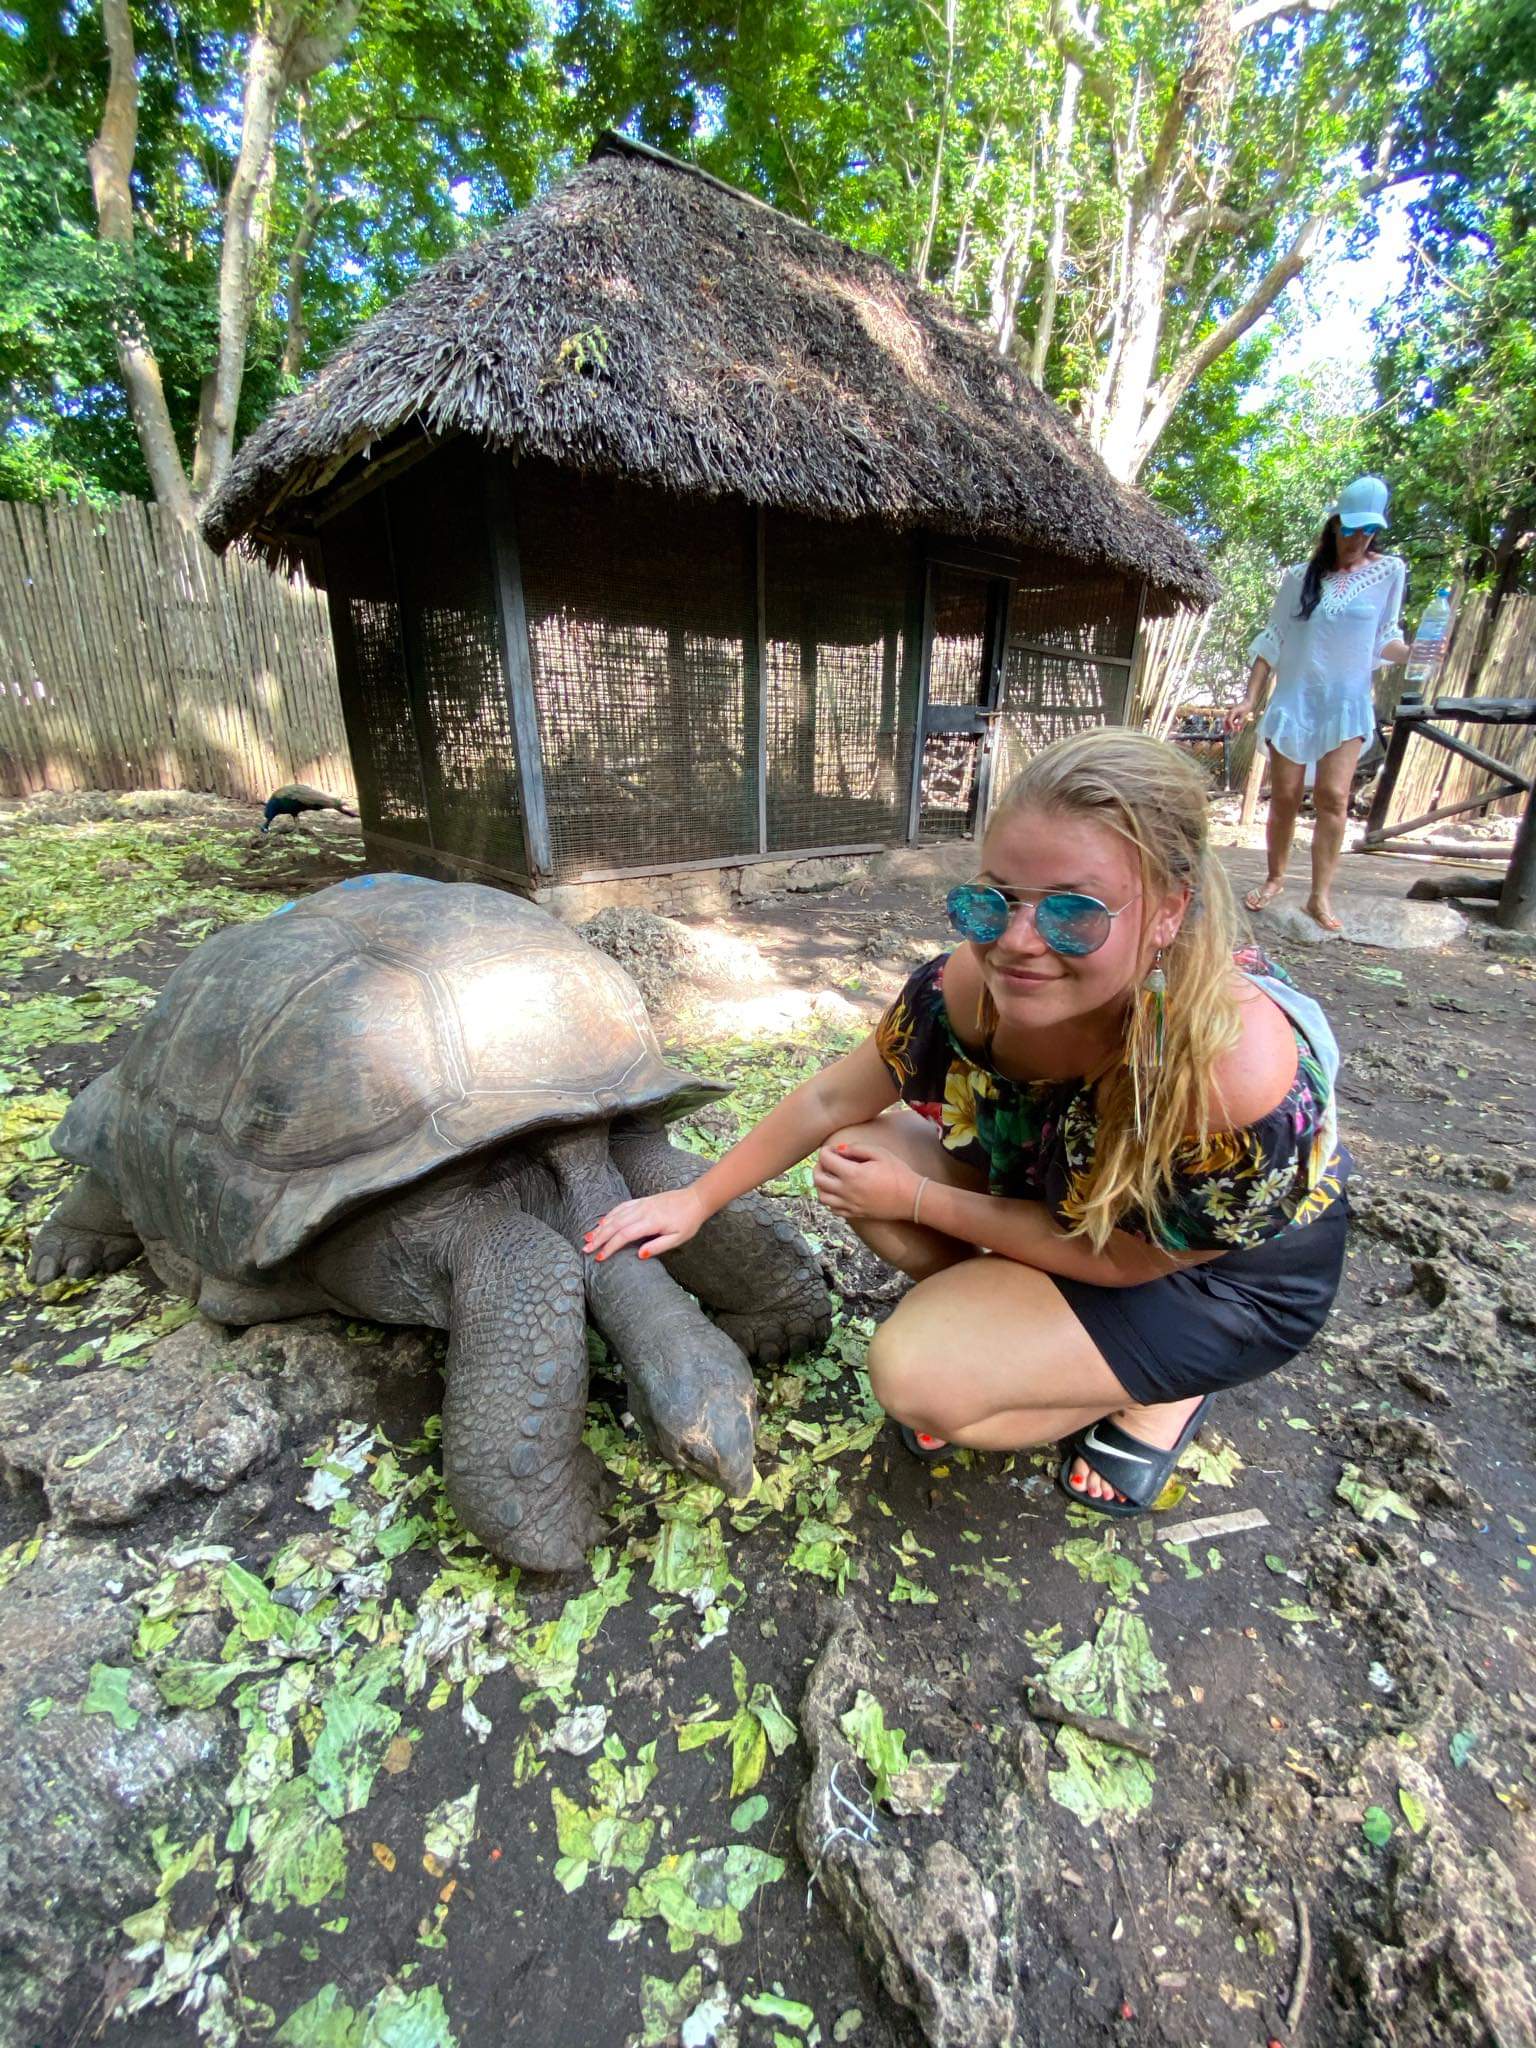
x=1336, y=620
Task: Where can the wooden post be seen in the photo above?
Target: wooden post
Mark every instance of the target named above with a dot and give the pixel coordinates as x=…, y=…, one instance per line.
x=517, y=665
x=925, y=655
x=1405, y=722
x=1253, y=787
x=1517, y=903
x=757, y=676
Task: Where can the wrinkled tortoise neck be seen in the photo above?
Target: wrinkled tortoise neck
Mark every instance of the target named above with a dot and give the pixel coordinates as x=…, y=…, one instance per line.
x=686, y=1377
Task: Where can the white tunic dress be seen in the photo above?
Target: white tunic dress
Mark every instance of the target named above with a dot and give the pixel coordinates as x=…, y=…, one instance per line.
x=1324, y=665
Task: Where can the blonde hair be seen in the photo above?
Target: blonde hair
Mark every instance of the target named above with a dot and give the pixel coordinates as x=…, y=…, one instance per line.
x=1155, y=798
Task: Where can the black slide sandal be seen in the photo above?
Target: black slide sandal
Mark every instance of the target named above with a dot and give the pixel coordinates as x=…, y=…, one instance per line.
x=935, y=1447
x=1138, y=1470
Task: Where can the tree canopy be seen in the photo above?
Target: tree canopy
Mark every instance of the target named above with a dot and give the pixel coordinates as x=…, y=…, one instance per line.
x=198, y=202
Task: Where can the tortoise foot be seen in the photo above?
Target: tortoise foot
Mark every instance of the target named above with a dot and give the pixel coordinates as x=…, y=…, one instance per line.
x=86, y=1234
x=77, y=1255
x=773, y=1337
x=541, y=1528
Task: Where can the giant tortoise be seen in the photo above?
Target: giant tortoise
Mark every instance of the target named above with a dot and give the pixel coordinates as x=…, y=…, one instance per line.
x=409, y=1100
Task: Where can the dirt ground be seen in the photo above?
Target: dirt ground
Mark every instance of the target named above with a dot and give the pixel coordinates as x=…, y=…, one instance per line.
x=1337, y=1820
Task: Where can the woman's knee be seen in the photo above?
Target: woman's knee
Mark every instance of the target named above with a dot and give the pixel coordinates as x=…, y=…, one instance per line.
x=856, y=1134
x=904, y=1380
x=892, y=1368
x=1331, y=806
x=912, y=1385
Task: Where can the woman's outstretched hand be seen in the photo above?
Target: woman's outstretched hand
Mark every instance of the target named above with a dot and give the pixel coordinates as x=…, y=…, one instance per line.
x=653, y=1223
x=863, y=1184
x=1236, y=716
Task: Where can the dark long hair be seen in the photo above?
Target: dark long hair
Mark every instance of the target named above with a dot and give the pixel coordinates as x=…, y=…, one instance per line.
x=1325, y=559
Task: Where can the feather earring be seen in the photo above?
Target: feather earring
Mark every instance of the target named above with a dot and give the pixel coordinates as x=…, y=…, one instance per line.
x=1146, y=1040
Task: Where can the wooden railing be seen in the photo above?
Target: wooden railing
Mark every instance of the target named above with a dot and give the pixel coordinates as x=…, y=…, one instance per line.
x=1431, y=778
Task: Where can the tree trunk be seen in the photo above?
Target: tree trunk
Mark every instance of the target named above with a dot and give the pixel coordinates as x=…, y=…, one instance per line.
x=296, y=335
x=282, y=53
x=1121, y=401
x=1056, y=250
x=1010, y=269
x=936, y=183
x=110, y=158
x=264, y=85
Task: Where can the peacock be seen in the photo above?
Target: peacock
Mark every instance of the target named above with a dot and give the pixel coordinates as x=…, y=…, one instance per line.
x=296, y=797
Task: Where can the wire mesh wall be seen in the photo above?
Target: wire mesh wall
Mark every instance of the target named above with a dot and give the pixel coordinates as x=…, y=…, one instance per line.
x=454, y=659
x=639, y=610
x=1061, y=618
x=840, y=711
x=370, y=672
x=1047, y=696
x=955, y=661
x=960, y=608
x=1058, y=603
x=646, y=667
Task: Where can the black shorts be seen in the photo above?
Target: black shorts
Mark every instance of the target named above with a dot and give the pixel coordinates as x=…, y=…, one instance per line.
x=1217, y=1325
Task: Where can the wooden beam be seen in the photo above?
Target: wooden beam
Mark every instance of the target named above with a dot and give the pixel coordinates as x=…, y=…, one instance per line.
x=1253, y=788
x=517, y=663
x=925, y=650
x=732, y=860
x=1517, y=904
x=758, y=705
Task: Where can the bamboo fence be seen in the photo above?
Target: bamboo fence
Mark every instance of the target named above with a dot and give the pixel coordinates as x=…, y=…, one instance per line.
x=1166, y=652
x=131, y=657
x=1432, y=776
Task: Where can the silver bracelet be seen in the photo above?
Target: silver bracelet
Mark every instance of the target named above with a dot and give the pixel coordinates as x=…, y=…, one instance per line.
x=917, y=1200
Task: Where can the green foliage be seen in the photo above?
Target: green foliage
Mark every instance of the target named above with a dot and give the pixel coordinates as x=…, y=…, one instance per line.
x=701, y=1894
x=95, y=888
x=439, y=118
x=396, y=2018
x=930, y=135
x=1377, y=1826
x=1114, y=1677
x=908, y=1782
x=1373, y=1503
x=107, y=1693
x=1457, y=365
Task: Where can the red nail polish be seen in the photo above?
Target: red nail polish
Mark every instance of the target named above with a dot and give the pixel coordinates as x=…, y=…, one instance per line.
x=645, y=1255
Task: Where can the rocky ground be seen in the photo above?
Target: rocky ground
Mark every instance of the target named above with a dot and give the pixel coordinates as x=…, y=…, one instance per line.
x=286, y=1758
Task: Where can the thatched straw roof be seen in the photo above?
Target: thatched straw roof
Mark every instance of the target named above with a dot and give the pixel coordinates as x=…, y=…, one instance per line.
x=645, y=320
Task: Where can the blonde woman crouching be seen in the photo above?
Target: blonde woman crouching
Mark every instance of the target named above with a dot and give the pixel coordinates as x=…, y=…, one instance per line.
x=1137, y=1126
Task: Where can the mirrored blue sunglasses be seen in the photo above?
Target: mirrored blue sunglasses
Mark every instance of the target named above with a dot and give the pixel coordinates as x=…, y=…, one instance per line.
x=1067, y=922
x=1349, y=532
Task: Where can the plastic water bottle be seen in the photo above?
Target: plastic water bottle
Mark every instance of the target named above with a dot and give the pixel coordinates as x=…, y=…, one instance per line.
x=1429, y=642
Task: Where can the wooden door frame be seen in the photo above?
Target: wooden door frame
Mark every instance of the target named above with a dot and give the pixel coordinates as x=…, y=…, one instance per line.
x=999, y=574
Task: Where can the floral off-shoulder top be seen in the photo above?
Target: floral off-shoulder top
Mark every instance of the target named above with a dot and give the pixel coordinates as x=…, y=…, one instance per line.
x=1035, y=1140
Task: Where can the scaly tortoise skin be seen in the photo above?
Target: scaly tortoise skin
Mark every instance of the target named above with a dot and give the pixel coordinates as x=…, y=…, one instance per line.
x=409, y=1100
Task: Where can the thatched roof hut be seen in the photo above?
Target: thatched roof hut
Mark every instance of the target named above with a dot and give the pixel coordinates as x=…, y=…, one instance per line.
x=665, y=444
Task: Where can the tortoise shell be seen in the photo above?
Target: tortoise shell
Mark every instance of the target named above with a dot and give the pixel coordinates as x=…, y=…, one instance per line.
x=350, y=1044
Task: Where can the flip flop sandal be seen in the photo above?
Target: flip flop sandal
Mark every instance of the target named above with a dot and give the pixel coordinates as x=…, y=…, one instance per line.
x=921, y=1444
x=1136, y=1469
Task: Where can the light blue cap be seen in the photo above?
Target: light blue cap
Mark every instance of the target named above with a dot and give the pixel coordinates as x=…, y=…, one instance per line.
x=1363, y=503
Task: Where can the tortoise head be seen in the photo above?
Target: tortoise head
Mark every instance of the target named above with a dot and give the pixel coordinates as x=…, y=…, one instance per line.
x=696, y=1394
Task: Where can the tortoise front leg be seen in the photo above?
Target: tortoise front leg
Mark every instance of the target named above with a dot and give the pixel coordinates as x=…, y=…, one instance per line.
x=748, y=1264
x=86, y=1233
x=688, y=1381
x=517, y=1473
